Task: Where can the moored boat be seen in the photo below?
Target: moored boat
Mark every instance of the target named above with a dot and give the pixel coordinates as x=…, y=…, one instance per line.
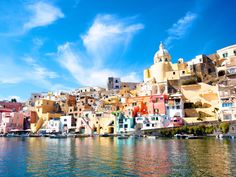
x=123, y=137
x=58, y=136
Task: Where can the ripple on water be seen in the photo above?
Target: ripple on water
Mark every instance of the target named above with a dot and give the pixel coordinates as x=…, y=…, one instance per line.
x=113, y=157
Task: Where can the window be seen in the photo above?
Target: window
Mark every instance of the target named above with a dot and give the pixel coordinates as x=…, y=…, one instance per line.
x=147, y=125
x=166, y=59
x=121, y=126
x=227, y=104
x=65, y=120
x=234, y=52
x=173, y=73
x=177, y=107
x=183, y=72
x=227, y=117
x=126, y=126
x=160, y=60
x=116, y=81
x=225, y=55
x=153, y=125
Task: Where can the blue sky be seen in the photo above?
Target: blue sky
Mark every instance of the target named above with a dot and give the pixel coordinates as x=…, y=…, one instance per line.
x=65, y=44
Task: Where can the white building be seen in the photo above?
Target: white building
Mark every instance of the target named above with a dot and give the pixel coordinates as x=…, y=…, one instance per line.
x=175, y=106
x=53, y=126
x=67, y=123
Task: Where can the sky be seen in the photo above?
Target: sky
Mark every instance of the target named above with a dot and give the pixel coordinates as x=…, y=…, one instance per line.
x=52, y=45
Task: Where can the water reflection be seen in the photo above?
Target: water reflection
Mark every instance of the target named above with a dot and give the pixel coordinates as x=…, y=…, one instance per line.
x=113, y=157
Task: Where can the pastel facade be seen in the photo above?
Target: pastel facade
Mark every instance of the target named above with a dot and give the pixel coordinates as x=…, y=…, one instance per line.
x=45, y=110
x=175, y=106
x=201, y=100
x=125, y=124
x=53, y=126
x=11, y=121
x=157, y=103
x=68, y=123
x=14, y=106
x=227, y=92
x=153, y=122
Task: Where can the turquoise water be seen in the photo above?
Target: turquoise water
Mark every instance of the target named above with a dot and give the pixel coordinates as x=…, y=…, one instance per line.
x=106, y=156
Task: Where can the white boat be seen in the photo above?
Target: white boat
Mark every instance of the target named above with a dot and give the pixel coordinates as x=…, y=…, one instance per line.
x=152, y=137
x=59, y=136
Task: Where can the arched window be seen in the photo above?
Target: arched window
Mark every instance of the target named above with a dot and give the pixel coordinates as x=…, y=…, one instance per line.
x=166, y=59
x=160, y=60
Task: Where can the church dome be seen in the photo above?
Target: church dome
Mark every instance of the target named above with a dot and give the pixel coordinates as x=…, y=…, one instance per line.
x=162, y=55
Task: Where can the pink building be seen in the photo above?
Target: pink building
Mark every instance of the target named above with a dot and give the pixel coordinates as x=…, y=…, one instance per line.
x=15, y=106
x=156, y=104
x=11, y=121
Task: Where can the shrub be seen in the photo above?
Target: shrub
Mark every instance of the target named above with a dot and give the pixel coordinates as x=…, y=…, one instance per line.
x=224, y=127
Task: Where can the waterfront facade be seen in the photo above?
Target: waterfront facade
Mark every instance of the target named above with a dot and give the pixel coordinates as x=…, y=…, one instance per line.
x=172, y=94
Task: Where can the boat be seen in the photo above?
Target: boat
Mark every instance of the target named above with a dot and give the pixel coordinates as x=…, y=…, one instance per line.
x=81, y=135
x=123, y=137
x=180, y=136
x=35, y=135
x=104, y=135
x=71, y=135
x=57, y=136
x=227, y=136
x=151, y=137
x=194, y=137
x=9, y=135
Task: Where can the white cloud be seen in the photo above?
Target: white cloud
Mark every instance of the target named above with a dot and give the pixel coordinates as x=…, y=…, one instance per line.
x=38, y=43
x=106, y=34
x=39, y=71
x=89, y=76
x=101, y=41
x=42, y=14
x=30, y=72
x=179, y=29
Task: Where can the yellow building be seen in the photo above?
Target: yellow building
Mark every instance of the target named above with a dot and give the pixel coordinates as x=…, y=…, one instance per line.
x=45, y=110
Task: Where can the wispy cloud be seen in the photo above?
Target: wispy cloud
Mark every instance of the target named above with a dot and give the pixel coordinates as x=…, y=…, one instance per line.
x=180, y=28
x=29, y=15
x=42, y=14
x=30, y=72
x=37, y=43
x=107, y=34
